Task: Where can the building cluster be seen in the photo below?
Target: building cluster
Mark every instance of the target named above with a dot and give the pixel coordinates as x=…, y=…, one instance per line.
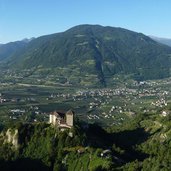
x=160, y=103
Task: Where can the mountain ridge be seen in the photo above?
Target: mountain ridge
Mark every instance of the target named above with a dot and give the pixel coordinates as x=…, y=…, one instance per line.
x=101, y=51
x=165, y=41
x=12, y=48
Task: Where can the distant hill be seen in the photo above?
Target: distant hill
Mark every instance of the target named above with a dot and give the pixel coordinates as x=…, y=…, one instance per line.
x=162, y=40
x=103, y=52
x=10, y=49
x=13, y=48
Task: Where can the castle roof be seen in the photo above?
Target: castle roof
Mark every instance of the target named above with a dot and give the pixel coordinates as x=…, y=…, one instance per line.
x=60, y=114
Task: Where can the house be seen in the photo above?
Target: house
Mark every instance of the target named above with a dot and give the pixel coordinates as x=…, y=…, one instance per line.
x=62, y=120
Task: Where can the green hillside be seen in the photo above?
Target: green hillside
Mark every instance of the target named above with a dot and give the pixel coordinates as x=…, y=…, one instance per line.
x=141, y=144
x=102, y=52
x=11, y=49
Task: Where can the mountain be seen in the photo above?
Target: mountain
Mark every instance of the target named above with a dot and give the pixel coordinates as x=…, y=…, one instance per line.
x=96, y=51
x=162, y=40
x=10, y=49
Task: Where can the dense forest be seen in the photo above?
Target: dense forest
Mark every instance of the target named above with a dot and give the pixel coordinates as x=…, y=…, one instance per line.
x=141, y=144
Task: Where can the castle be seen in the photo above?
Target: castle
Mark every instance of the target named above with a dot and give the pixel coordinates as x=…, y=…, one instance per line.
x=62, y=120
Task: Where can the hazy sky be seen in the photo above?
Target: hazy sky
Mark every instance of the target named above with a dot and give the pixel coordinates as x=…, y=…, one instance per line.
x=32, y=18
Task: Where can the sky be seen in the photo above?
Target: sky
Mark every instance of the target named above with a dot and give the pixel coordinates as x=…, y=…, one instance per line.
x=21, y=19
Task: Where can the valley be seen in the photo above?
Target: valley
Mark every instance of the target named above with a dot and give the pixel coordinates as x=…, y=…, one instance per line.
x=116, y=82
x=29, y=97
x=130, y=120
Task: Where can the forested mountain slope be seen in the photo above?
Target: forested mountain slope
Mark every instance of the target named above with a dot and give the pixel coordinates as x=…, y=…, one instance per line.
x=97, y=50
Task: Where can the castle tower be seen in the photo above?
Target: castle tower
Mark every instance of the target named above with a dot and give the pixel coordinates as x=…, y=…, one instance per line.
x=52, y=119
x=70, y=118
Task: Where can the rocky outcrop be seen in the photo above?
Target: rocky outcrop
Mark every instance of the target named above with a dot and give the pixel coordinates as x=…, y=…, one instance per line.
x=12, y=137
